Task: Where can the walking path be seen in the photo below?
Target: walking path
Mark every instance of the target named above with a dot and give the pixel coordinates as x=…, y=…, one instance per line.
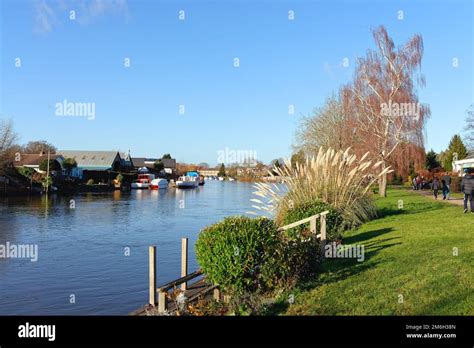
x=456, y=201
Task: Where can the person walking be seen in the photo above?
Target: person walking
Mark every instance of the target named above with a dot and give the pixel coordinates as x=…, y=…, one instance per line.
x=435, y=187
x=467, y=187
x=446, y=186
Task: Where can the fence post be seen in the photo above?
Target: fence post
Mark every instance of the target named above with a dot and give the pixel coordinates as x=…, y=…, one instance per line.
x=184, y=261
x=152, y=274
x=217, y=294
x=161, y=301
x=312, y=224
x=323, y=232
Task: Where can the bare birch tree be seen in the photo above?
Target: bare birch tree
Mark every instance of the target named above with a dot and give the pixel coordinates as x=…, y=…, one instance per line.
x=384, y=100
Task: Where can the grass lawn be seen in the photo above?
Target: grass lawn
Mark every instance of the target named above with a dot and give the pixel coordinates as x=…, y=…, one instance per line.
x=408, y=252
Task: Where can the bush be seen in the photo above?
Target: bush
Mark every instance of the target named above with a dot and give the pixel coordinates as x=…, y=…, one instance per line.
x=239, y=253
x=90, y=182
x=246, y=255
x=334, y=221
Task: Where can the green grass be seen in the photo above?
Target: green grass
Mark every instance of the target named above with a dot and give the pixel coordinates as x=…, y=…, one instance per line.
x=408, y=252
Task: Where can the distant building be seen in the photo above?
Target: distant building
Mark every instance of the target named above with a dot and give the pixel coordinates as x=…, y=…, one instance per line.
x=168, y=163
x=29, y=160
x=208, y=172
x=127, y=162
x=459, y=166
x=94, y=163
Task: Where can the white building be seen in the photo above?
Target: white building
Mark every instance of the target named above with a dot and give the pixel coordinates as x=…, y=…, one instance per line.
x=459, y=166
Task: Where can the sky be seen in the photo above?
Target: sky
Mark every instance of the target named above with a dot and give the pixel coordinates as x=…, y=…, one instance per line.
x=156, y=82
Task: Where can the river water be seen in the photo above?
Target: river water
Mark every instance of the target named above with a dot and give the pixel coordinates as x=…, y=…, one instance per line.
x=93, y=248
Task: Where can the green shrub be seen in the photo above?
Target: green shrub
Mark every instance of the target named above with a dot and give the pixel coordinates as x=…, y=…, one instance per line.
x=334, y=220
x=239, y=253
x=246, y=255
x=90, y=182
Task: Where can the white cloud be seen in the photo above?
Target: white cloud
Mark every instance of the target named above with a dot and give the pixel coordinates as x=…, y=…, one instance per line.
x=44, y=17
x=48, y=12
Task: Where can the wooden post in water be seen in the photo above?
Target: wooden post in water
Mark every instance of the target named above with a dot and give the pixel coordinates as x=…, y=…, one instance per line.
x=323, y=232
x=152, y=270
x=161, y=301
x=184, y=261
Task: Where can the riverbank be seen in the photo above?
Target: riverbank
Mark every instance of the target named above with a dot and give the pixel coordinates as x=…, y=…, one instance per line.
x=419, y=260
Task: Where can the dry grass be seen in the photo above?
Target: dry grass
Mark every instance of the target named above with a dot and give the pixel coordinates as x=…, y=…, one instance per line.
x=334, y=177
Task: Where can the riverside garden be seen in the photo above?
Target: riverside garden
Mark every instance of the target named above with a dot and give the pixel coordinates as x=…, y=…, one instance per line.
x=418, y=253
x=354, y=158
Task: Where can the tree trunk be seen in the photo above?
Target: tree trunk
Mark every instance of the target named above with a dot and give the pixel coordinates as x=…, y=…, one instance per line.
x=383, y=183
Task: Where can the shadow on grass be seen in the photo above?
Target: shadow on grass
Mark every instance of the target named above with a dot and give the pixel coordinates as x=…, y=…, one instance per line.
x=361, y=237
x=335, y=270
x=384, y=212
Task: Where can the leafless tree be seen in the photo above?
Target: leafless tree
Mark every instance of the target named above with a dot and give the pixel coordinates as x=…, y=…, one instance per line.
x=470, y=128
x=328, y=127
x=7, y=141
x=384, y=100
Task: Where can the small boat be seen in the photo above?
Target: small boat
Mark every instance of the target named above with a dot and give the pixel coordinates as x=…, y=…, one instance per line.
x=158, y=184
x=231, y=179
x=221, y=178
x=190, y=180
x=201, y=181
x=143, y=181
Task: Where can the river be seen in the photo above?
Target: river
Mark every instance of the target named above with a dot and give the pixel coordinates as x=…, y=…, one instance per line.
x=93, y=248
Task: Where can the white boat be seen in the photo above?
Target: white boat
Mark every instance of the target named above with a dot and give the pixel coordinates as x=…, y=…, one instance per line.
x=221, y=178
x=231, y=179
x=143, y=181
x=190, y=180
x=158, y=184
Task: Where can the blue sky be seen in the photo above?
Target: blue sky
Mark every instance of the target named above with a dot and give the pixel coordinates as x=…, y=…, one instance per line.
x=191, y=63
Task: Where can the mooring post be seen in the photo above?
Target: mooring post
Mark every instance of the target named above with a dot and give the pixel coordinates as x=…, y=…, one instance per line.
x=152, y=270
x=184, y=261
x=323, y=232
x=161, y=301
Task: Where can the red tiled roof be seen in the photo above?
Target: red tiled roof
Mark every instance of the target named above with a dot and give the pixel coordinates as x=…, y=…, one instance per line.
x=28, y=159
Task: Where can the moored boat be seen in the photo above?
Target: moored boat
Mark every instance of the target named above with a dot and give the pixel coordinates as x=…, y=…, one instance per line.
x=158, y=184
x=190, y=180
x=143, y=181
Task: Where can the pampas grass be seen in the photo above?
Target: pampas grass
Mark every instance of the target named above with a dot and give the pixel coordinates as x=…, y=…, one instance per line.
x=334, y=177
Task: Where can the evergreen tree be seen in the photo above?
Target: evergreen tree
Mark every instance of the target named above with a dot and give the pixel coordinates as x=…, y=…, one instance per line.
x=431, y=161
x=221, y=170
x=456, y=150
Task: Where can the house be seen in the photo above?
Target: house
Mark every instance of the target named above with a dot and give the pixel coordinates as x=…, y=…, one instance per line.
x=208, y=172
x=94, y=164
x=29, y=160
x=169, y=163
x=459, y=166
x=127, y=162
